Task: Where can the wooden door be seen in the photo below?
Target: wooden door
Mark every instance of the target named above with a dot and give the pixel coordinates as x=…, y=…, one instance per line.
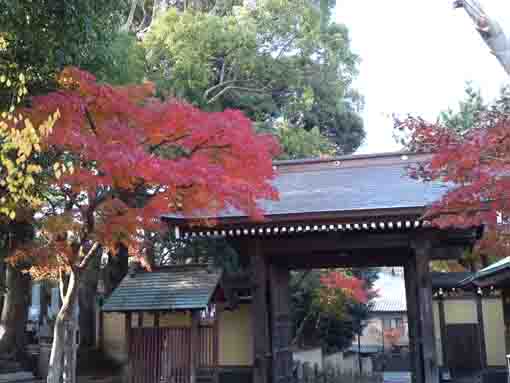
x=463, y=346
x=163, y=355
x=160, y=355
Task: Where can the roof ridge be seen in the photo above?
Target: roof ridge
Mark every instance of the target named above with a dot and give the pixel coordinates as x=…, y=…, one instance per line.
x=204, y=266
x=346, y=157
x=349, y=162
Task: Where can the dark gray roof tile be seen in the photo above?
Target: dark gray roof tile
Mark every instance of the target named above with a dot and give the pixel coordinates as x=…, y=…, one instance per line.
x=351, y=183
x=172, y=288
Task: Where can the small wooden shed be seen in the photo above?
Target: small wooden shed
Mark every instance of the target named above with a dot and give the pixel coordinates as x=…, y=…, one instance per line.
x=173, y=324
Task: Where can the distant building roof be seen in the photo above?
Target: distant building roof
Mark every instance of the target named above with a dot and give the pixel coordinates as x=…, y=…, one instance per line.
x=356, y=183
x=388, y=305
x=168, y=288
x=391, y=288
x=391, y=291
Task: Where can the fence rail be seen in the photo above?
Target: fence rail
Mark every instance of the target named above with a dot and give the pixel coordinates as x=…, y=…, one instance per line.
x=306, y=373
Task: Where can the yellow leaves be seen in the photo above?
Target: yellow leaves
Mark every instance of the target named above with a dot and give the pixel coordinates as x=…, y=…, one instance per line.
x=18, y=160
x=57, y=169
x=60, y=168
x=32, y=168
x=60, y=224
x=4, y=44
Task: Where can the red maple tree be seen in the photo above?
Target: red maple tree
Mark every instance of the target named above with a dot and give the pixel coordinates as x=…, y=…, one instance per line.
x=476, y=165
x=350, y=286
x=121, y=160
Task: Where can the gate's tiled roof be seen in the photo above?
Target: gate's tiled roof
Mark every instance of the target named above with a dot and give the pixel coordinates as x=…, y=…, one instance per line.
x=169, y=288
x=347, y=184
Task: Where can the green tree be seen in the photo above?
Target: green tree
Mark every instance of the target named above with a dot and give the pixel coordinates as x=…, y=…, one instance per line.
x=301, y=143
x=333, y=328
x=44, y=36
x=468, y=112
x=276, y=60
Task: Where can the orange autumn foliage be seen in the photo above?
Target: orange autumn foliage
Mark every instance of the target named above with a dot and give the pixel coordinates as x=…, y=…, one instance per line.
x=350, y=286
x=124, y=158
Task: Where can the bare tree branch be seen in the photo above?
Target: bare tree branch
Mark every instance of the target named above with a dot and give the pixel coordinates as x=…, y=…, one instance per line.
x=127, y=25
x=144, y=17
x=226, y=89
x=86, y=259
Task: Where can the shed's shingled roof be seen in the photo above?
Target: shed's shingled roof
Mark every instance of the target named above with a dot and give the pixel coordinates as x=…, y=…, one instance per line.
x=171, y=288
x=347, y=184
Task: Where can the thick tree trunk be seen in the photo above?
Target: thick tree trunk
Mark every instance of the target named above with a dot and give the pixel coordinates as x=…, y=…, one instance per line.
x=14, y=312
x=62, y=366
x=127, y=26
x=87, y=301
x=490, y=30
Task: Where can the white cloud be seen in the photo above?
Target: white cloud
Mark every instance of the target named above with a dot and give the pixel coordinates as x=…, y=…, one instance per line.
x=416, y=58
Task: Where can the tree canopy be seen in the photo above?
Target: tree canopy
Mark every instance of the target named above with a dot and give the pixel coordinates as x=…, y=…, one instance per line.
x=329, y=307
x=470, y=149
x=122, y=160
x=275, y=60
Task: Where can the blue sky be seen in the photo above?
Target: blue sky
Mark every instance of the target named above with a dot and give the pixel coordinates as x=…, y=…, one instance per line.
x=416, y=58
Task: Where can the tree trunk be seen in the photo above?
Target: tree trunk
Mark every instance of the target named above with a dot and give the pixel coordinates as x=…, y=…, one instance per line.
x=115, y=270
x=127, y=26
x=14, y=312
x=490, y=30
x=62, y=366
x=2, y=280
x=87, y=301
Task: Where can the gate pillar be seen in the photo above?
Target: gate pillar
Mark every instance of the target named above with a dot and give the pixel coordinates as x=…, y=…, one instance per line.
x=260, y=316
x=422, y=341
x=281, y=333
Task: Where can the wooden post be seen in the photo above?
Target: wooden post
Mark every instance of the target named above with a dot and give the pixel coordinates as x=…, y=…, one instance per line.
x=194, y=345
x=279, y=278
x=419, y=281
x=128, y=370
x=98, y=325
x=442, y=326
x=481, y=332
x=260, y=316
x=412, y=320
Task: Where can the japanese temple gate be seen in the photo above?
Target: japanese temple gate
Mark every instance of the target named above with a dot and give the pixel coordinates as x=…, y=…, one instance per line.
x=353, y=211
